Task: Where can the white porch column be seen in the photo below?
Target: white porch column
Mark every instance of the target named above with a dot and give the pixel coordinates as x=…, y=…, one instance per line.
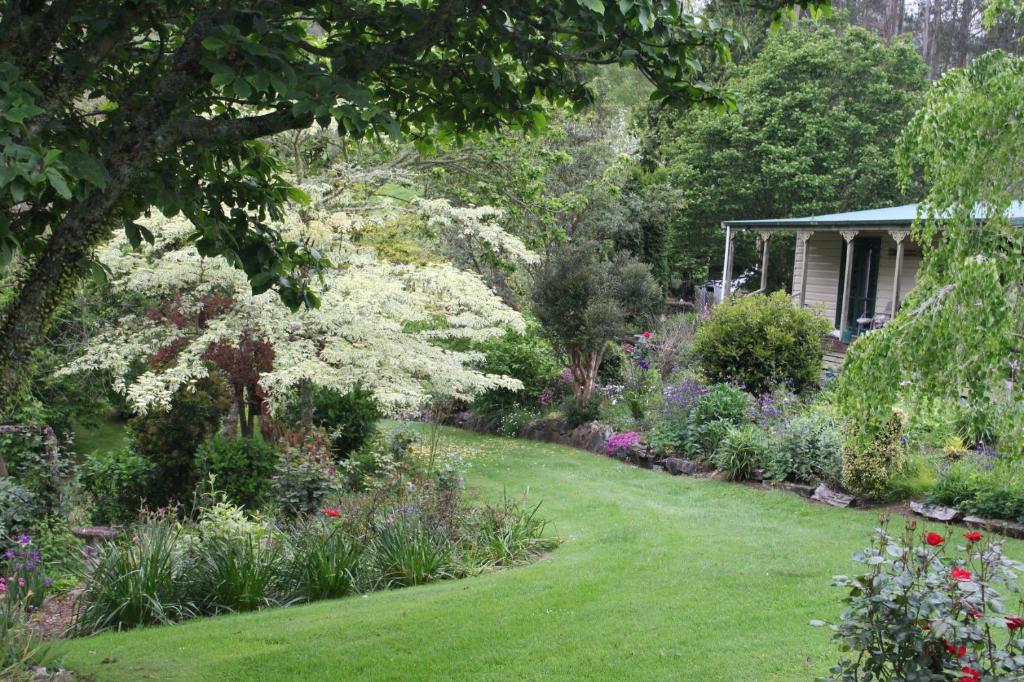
x=802, y=237
x=763, y=238
x=730, y=245
x=898, y=236
x=849, y=236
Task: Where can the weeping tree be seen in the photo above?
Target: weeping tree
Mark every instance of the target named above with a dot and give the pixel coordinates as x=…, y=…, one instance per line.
x=959, y=336
x=109, y=109
x=584, y=301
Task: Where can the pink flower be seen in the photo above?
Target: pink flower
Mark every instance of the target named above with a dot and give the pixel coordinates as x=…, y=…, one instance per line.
x=646, y=334
x=331, y=513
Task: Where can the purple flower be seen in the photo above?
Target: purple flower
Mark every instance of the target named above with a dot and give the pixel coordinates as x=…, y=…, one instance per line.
x=47, y=582
x=34, y=555
x=643, y=363
x=683, y=394
x=545, y=396
x=8, y=554
x=24, y=539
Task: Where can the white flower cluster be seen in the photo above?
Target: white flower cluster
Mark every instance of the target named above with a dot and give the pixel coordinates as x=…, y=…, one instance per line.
x=378, y=322
x=477, y=227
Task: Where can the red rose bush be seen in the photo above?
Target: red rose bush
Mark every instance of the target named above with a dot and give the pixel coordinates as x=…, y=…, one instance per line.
x=929, y=609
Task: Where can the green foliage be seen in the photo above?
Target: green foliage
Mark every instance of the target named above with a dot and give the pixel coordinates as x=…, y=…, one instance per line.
x=982, y=487
x=526, y=356
x=240, y=467
x=695, y=427
x=510, y=533
x=350, y=418
x=808, y=449
x=303, y=482
x=913, y=481
x=577, y=414
x=237, y=573
x=141, y=580
x=760, y=342
x=327, y=561
x=583, y=301
x=958, y=333
x=743, y=449
x=913, y=606
x=169, y=438
x=119, y=483
x=823, y=106
x=19, y=508
x=867, y=469
x=406, y=552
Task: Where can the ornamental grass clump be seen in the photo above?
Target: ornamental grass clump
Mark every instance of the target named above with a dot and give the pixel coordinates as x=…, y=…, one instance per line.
x=930, y=607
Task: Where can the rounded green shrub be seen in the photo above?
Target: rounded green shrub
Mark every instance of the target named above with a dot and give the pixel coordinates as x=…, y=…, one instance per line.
x=743, y=449
x=349, y=417
x=240, y=467
x=761, y=341
x=526, y=356
x=119, y=482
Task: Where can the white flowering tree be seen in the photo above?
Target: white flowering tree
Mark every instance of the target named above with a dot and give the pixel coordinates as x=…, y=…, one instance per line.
x=379, y=323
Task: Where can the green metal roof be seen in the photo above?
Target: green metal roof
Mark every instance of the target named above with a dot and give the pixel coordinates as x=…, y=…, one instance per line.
x=894, y=216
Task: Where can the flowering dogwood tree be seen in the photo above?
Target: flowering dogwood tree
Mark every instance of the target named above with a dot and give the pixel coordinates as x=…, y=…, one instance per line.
x=378, y=323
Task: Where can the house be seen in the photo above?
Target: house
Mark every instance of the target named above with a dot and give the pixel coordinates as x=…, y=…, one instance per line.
x=871, y=250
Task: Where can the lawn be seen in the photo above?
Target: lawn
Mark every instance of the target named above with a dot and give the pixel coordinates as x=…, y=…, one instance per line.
x=658, y=578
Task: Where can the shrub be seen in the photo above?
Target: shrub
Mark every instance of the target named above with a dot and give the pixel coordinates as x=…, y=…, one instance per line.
x=303, y=482
x=526, y=356
x=577, y=414
x=672, y=349
x=169, y=438
x=240, y=467
x=867, y=470
x=368, y=463
x=350, y=418
x=743, y=449
x=920, y=611
x=139, y=581
x=18, y=508
x=808, y=450
x=762, y=341
x=118, y=481
x=983, y=487
x=722, y=401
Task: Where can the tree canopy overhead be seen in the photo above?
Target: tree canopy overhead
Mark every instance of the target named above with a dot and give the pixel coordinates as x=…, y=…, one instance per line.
x=110, y=108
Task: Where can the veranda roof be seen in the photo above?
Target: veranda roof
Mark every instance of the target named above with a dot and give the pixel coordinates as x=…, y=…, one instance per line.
x=893, y=216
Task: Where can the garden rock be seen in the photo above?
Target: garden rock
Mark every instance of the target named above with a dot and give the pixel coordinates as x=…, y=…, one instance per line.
x=593, y=436
x=1009, y=528
x=544, y=430
x=799, y=488
x=640, y=455
x=837, y=499
x=678, y=466
x=936, y=513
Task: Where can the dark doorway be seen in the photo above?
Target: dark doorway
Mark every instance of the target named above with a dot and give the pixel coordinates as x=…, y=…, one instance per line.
x=864, y=278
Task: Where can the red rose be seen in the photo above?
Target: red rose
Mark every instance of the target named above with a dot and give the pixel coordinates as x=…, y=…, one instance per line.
x=973, y=536
x=955, y=651
x=961, y=575
x=970, y=674
x=1014, y=623
x=934, y=539
x=646, y=334
x=976, y=614
x=331, y=513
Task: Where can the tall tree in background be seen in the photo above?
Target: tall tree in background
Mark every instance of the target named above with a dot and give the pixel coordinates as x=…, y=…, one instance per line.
x=110, y=108
x=820, y=110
